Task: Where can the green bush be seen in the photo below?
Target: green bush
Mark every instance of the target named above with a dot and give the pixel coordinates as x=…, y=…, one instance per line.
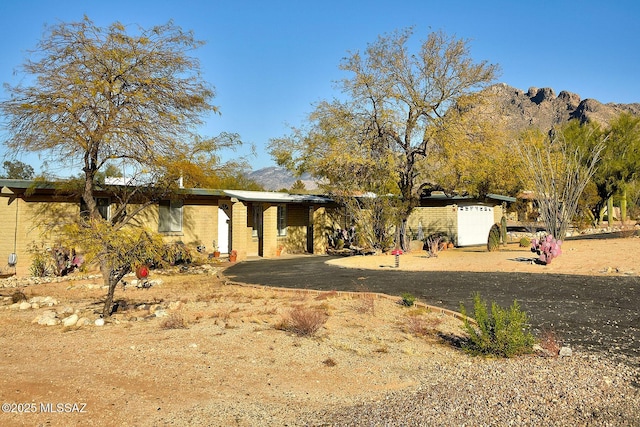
x=525, y=242
x=408, y=299
x=493, y=243
x=176, y=253
x=41, y=260
x=502, y=333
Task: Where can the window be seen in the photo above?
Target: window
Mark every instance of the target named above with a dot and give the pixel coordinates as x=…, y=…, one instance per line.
x=104, y=205
x=257, y=219
x=170, y=216
x=282, y=220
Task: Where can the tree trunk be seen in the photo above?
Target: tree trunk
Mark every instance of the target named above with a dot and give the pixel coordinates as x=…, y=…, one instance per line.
x=403, y=237
x=111, y=278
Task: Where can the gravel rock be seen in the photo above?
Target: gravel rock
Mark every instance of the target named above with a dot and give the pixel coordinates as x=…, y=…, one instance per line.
x=525, y=391
x=83, y=321
x=47, y=318
x=70, y=321
x=565, y=352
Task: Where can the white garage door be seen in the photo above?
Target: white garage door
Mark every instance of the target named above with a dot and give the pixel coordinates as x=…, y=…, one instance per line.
x=474, y=223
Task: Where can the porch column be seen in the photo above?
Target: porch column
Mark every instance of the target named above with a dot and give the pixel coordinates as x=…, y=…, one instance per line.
x=239, y=229
x=320, y=223
x=270, y=231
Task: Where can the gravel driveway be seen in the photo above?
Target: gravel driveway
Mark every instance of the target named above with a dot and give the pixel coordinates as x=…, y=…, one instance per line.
x=587, y=312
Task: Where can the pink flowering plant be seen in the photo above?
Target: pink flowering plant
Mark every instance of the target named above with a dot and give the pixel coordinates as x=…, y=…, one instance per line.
x=547, y=248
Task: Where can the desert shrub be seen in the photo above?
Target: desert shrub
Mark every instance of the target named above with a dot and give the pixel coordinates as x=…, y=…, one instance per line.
x=422, y=326
x=303, y=321
x=174, y=321
x=326, y=295
x=501, y=332
x=41, y=261
x=525, y=242
x=407, y=299
x=366, y=304
x=65, y=260
x=18, y=296
x=176, y=253
x=549, y=341
x=58, y=261
x=329, y=362
x=493, y=242
x=432, y=244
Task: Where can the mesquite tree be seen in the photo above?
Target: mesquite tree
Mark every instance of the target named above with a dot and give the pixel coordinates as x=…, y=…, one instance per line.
x=100, y=95
x=374, y=138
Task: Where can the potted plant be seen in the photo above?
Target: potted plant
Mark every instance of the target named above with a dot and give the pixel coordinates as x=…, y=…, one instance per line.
x=216, y=250
x=233, y=256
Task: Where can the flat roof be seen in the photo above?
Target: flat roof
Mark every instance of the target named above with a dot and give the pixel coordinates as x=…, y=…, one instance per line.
x=275, y=197
x=246, y=195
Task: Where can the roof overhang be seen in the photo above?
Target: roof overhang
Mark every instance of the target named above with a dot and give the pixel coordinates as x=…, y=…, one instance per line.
x=274, y=197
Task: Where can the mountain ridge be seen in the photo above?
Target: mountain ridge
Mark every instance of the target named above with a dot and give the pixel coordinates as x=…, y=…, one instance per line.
x=536, y=107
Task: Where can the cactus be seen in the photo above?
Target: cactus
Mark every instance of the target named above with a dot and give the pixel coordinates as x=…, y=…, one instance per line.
x=493, y=242
x=525, y=242
x=503, y=230
x=547, y=248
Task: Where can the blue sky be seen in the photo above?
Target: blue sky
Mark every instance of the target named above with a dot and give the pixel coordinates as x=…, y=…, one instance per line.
x=270, y=61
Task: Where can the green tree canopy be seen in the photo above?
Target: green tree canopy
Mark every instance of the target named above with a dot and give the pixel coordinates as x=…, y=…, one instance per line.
x=474, y=154
x=17, y=170
x=620, y=164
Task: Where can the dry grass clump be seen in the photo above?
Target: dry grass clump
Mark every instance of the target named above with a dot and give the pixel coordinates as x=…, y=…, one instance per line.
x=174, y=321
x=329, y=362
x=366, y=304
x=18, y=296
x=327, y=295
x=422, y=326
x=550, y=342
x=303, y=321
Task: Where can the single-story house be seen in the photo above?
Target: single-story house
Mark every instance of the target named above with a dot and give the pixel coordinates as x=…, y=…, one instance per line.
x=250, y=223
x=464, y=220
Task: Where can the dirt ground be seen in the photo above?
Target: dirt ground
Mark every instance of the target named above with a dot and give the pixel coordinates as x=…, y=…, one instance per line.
x=220, y=354
x=592, y=256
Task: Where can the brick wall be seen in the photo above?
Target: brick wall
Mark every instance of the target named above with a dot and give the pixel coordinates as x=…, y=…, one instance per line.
x=435, y=219
x=36, y=219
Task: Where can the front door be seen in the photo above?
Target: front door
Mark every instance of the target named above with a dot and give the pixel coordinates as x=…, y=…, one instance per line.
x=223, y=231
x=310, y=231
x=258, y=217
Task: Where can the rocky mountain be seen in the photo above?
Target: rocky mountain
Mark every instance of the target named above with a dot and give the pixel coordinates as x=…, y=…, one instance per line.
x=275, y=178
x=542, y=108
